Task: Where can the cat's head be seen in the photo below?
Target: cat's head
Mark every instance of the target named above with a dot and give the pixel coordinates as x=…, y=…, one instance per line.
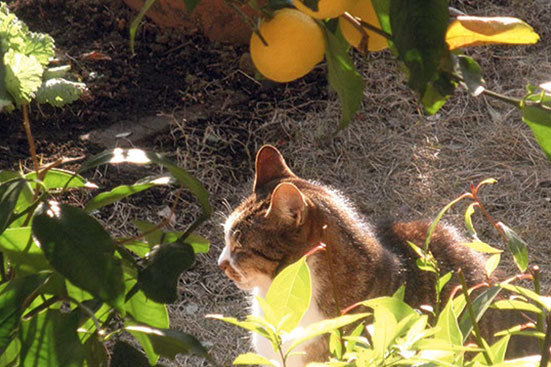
x=271, y=228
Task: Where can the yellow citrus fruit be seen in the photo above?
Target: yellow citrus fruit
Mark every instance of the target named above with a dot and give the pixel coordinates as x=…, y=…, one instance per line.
x=365, y=11
x=326, y=8
x=295, y=44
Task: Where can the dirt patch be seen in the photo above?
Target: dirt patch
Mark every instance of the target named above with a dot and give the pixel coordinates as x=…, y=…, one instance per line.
x=392, y=161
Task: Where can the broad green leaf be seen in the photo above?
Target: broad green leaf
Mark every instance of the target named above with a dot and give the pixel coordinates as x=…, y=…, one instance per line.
x=254, y=324
x=168, y=343
x=418, y=31
x=289, y=295
x=120, y=192
x=343, y=77
x=159, y=278
x=78, y=247
x=544, y=301
x=491, y=264
x=147, y=312
x=138, y=156
x=6, y=101
x=468, y=30
x=15, y=296
x=154, y=235
x=50, y=339
x=323, y=327
x=125, y=354
x=23, y=76
x=483, y=247
x=57, y=178
x=469, y=220
x=24, y=255
x=253, y=359
x=470, y=73
x=40, y=46
x=9, y=194
x=58, y=92
x=200, y=244
x=87, y=326
x=517, y=247
x=138, y=247
x=437, y=92
x=497, y=351
x=479, y=306
x=10, y=356
x=448, y=327
x=437, y=220
x=56, y=72
x=539, y=120
x=515, y=304
x=382, y=8
x=442, y=281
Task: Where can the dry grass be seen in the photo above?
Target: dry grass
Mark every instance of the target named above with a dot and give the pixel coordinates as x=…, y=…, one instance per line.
x=392, y=161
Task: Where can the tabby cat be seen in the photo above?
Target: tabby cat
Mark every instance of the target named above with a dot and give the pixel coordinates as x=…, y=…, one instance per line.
x=286, y=216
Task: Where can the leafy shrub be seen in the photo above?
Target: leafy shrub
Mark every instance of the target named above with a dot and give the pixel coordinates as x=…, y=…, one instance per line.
x=392, y=333
x=67, y=286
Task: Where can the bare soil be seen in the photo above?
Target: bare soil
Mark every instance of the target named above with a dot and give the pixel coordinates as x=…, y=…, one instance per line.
x=213, y=116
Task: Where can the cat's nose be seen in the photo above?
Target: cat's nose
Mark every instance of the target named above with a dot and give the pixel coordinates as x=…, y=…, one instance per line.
x=224, y=265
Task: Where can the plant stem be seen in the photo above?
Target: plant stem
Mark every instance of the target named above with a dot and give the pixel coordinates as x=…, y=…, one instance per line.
x=476, y=329
x=41, y=307
x=486, y=214
x=546, y=344
x=3, y=276
x=362, y=47
x=30, y=139
x=535, y=271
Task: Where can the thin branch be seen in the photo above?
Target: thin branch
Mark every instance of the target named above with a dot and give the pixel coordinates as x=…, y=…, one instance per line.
x=546, y=344
x=356, y=22
x=29, y=134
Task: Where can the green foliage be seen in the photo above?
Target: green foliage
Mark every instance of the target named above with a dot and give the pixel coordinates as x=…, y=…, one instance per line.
x=392, y=332
x=25, y=74
x=56, y=258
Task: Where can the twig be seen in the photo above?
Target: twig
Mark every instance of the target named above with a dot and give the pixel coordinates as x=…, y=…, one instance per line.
x=3, y=276
x=356, y=22
x=546, y=344
x=474, y=192
x=476, y=330
x=29, y=134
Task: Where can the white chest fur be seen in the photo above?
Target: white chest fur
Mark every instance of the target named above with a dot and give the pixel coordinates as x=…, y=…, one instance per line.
x=312, y=315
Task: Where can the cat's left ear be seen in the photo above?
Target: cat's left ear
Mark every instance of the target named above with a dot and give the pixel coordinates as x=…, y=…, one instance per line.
x=269, y=166
x=288, y=204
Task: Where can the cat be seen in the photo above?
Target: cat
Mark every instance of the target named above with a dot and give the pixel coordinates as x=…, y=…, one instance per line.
x=286, y=216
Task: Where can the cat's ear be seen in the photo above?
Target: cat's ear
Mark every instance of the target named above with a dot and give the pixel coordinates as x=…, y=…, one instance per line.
x=288, y=204
x=269, y=165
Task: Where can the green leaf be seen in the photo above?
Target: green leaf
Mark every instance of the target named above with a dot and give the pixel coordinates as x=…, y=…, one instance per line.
x=382, y=8
x=253, y=359
x=136, y=23
x=56, y=72
x=57, y=178
x=123, y=191
x=138, y=247
x=343, y=77
x=323, y=327
x=58, y=92
x=23, y=76
x=158, y=236
x=539, y=120
x=159, y=278
x=517, y=247
x=437, y=93
x=153, y=236
x=147, y=312
x=78, y=247
x=40, y=46
x=251, y=324
x=50, y=339
x=289, y=295
x=491, y=264
x=138, y=156
x=470, y=73
x=168, y=343
x=6, y=101
x=544, y=301
x=15, y=296
x=10, y=356
x=24, y=255
x=9, y=194
x=483, y=247
x=418, y=31
x=479, y=306
x=125, y=355
x=447, y=326
x=515, y=304
x=442, y=281
x=469, y=220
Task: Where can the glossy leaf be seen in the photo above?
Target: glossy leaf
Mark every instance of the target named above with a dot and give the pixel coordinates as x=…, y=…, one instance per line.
x=123, y=191
x=468, y=30
x=253, y=359
x=515, y=304
x=323, y=327
x=479, y=306
x=418, y=31
x=24, y=255
x=57, y=178
x=544, y=301
x=78, y=247
x=517, y=247
x=343, y=77
x=50, y=339
x=539, y=120
x=23, y=76
x=491, y=264
x=200, y=244
x=9, y=194
x=448, y=327
x=159, y=278
x=168, y=343
x=125, y=354
x=289, y=295
x=483, y=247
x=10, y=356
x=138, y=156
x=14, y=298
